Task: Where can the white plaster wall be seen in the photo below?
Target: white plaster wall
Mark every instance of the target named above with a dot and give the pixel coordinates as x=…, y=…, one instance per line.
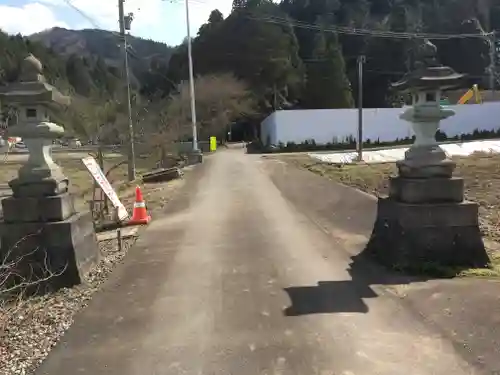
x=323, y=125
x=269, y=127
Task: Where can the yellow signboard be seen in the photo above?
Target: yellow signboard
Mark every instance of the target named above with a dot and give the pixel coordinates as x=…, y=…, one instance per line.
x=213, y=144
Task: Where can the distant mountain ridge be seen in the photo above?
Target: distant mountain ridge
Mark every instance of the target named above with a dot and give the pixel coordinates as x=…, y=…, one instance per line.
x=104, y=44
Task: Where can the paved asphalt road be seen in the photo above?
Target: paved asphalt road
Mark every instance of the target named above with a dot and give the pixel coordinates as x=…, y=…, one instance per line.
x=236, y=280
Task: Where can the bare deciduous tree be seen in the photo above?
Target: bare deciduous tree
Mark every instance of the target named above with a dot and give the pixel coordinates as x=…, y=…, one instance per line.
x=95, y=120
x=219, y=99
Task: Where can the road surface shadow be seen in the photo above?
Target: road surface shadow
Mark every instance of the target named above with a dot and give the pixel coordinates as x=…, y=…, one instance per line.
x=327, y=297
x=345, y=296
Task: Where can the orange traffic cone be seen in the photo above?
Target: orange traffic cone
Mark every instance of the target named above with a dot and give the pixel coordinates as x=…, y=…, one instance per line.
x=140, y=214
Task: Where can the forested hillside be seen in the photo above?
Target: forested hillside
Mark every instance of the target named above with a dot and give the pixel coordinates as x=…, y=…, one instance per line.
x=106, y=45
x=75, y=74
x=289, y=54
x=92, y=74
x=303, y=52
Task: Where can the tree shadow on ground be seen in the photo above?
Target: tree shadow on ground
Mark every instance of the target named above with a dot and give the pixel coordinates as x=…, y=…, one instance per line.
x=384, y=260
x=345, y=296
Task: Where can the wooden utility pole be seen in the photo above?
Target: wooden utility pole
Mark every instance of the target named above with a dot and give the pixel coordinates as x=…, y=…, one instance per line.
x=125, y=23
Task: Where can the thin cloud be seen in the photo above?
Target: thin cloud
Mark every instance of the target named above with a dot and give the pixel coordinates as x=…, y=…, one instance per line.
x=153, y=19
x=28, y=19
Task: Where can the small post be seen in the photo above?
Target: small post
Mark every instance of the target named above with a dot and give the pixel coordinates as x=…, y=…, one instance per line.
x=361, y=61
x=118, y=230
x=91, y=208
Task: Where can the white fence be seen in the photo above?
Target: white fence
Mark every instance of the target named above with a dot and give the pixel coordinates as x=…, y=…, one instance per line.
x=384, y=124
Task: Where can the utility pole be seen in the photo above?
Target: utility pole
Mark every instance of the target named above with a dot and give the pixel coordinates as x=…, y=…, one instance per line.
x=125, y=23
x=191, y=81
x=361, y=61
x=492, y=41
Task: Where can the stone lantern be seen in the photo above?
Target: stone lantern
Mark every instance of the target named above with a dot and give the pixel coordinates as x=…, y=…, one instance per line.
x=41, y=214
x=425, y=158
x=425, y=218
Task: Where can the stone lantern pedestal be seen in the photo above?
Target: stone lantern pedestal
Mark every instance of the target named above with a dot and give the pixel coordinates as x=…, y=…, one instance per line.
x=425, y=221
x=41, y=233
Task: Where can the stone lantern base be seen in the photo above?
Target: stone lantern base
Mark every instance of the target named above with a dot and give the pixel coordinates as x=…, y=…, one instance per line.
x=425, y=161
x=417, y=236
x=426, y=222
x=47, y=240
x=426, y=190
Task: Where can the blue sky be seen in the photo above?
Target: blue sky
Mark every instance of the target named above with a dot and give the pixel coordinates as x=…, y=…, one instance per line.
x=162, y=20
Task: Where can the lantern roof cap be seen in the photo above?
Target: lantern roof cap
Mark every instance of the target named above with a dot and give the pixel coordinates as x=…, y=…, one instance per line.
x=429, y=74
x=32, y=88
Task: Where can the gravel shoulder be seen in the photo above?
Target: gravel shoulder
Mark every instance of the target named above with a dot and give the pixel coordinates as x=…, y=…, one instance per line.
x=30, y=328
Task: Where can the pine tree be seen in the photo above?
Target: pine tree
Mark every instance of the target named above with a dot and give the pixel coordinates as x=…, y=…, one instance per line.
x=327, y=85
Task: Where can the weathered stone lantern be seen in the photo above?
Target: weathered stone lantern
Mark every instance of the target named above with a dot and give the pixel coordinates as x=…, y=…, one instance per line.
x=41, y=214
x=425, y=158
x=35, y=98
x=425, y=219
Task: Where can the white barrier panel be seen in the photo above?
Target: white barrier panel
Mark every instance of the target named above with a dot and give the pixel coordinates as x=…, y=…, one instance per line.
x=383, y=124
x=103, y=182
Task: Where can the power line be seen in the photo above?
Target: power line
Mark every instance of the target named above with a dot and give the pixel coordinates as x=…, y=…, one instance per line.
x=124, y=23
x=82, y=13
x=355, y=31
x=358, y=31
x=310, y=26
x=365, y=32
x=95, y=24
x=301, y=24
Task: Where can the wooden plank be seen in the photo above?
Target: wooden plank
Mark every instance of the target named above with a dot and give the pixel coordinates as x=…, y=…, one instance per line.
x=112, y=234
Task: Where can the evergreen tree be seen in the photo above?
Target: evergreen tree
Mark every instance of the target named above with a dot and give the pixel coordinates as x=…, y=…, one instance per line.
x=78, y=75
x=327, y=85
x=263, y=54
x=214, y=20
x=267, y=45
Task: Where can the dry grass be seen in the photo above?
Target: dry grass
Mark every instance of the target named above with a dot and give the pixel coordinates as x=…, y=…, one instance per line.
x=81, y=182
x=481, y=173
x=156, y=195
